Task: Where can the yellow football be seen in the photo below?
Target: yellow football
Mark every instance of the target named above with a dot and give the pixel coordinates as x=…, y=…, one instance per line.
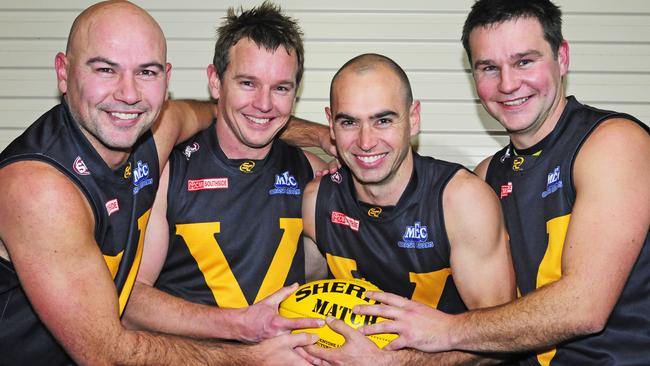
x=319, y=299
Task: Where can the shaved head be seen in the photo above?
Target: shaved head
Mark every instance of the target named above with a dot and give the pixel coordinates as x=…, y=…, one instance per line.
x=115, y=13
x=114, y=73
x=368, y=62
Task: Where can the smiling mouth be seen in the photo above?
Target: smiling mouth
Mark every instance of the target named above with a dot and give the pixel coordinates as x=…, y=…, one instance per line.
x=124, y=116
x=258, y=121
x=369, y=159
x=516, y=102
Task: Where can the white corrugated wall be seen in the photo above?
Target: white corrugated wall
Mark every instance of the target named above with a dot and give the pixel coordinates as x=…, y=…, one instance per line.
x=609, y=43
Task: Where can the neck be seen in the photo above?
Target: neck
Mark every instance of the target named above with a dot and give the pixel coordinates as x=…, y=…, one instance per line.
x=527, y=139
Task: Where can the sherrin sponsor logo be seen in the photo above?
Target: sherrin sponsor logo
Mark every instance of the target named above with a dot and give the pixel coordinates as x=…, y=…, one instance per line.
x=80, y=167
x=112, y=206
x=285, y=183
x=207, y=183
x=415, y=237
x=247, y=166
x=141, y=176
x=343, y=219
x=553, y=182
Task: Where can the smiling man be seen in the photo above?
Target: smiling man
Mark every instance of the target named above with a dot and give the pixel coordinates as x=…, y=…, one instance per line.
x=574, y=184
x=226, y=228
x=77, y=190
x=421, y=228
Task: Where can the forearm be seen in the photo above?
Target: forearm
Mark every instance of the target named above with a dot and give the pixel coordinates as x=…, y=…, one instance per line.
x=143, y=348
x=155, y=310
x=409, y=357
x=303, y=133
x=539, y=320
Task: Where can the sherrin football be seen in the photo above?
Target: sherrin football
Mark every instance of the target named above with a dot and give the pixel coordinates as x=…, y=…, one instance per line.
x=319, y=299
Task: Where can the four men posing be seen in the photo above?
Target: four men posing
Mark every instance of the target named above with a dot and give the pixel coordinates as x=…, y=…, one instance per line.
x=575, y=194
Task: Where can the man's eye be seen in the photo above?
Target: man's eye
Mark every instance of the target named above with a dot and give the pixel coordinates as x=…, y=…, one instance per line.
x=149, y=73
x=104, y=70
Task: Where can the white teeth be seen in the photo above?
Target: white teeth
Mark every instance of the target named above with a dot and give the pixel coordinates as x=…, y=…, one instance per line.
x=371, y=158
x=259, y=121
x=514, y=103
x=124, y=115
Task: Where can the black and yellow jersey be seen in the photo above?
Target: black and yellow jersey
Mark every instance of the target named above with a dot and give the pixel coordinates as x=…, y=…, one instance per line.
x=402, y=249
x=235, y=226
x=536, y=190
x=121, y=201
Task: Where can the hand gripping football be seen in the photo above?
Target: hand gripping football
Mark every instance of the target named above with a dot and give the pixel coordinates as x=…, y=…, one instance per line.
x=336, y=298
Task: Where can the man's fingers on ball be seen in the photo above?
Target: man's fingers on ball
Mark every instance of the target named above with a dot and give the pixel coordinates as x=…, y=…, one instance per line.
x=378, y=328
x=307, y=357
x=387, y=298
x=301, y=323
x=339, y=326
x=281, y=294
x=382, y=310
x=301, y=339
x=396, y=344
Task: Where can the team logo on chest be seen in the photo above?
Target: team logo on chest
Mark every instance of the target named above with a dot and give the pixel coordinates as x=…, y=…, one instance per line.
x=374, y=212
x=80, y=167
x=553, y=182
x=415, y=237
x=285, y=183
x=127, y=171
x=247, y=166
x=191, y=149
x=517, y=163
x=141, y=177
x=343, y=219
x=336, y=178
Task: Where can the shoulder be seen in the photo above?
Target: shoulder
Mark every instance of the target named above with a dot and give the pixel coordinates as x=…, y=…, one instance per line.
x=482, y=168
x=465, y=192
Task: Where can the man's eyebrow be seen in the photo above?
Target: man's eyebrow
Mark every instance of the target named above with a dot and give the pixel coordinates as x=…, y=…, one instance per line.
x=386, y=113
x=344, y=116
x=100, y=59
x=104, y=60
x=514, y=57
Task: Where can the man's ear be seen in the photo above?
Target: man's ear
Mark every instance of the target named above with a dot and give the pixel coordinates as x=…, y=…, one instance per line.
x=328, y=114
x=214, y=83
x=61, y=68
x=414, y=117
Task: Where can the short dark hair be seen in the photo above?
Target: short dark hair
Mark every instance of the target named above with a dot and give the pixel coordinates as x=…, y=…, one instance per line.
x=486, y=13
x=369, y=61
x=266, y=26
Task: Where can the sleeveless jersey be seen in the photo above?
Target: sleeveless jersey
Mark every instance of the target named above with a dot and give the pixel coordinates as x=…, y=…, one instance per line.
x=121, y=201
x=537, y=196
x=235, y=226
x=402, y=249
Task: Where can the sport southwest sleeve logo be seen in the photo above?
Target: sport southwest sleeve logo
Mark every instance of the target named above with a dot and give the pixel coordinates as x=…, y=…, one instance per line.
x=141, y=177
x=415, y=237
x=285, y=183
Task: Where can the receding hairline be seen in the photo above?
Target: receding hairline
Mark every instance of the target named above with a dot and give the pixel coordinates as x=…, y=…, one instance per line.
x=93, y=13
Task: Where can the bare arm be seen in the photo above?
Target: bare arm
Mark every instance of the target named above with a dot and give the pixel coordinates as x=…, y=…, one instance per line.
x=303, y=133
x=481, y=263
x=49, y=235
x=178, y=121
x=608, y=225
x=156, y=310
x=315, y=264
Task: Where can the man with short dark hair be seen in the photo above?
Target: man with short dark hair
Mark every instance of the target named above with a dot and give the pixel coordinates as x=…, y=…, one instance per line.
x=226, y=227
x=574, y=184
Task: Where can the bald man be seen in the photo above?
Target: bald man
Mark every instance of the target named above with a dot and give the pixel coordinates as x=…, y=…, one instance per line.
x=421, y=228
x=77, y=189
